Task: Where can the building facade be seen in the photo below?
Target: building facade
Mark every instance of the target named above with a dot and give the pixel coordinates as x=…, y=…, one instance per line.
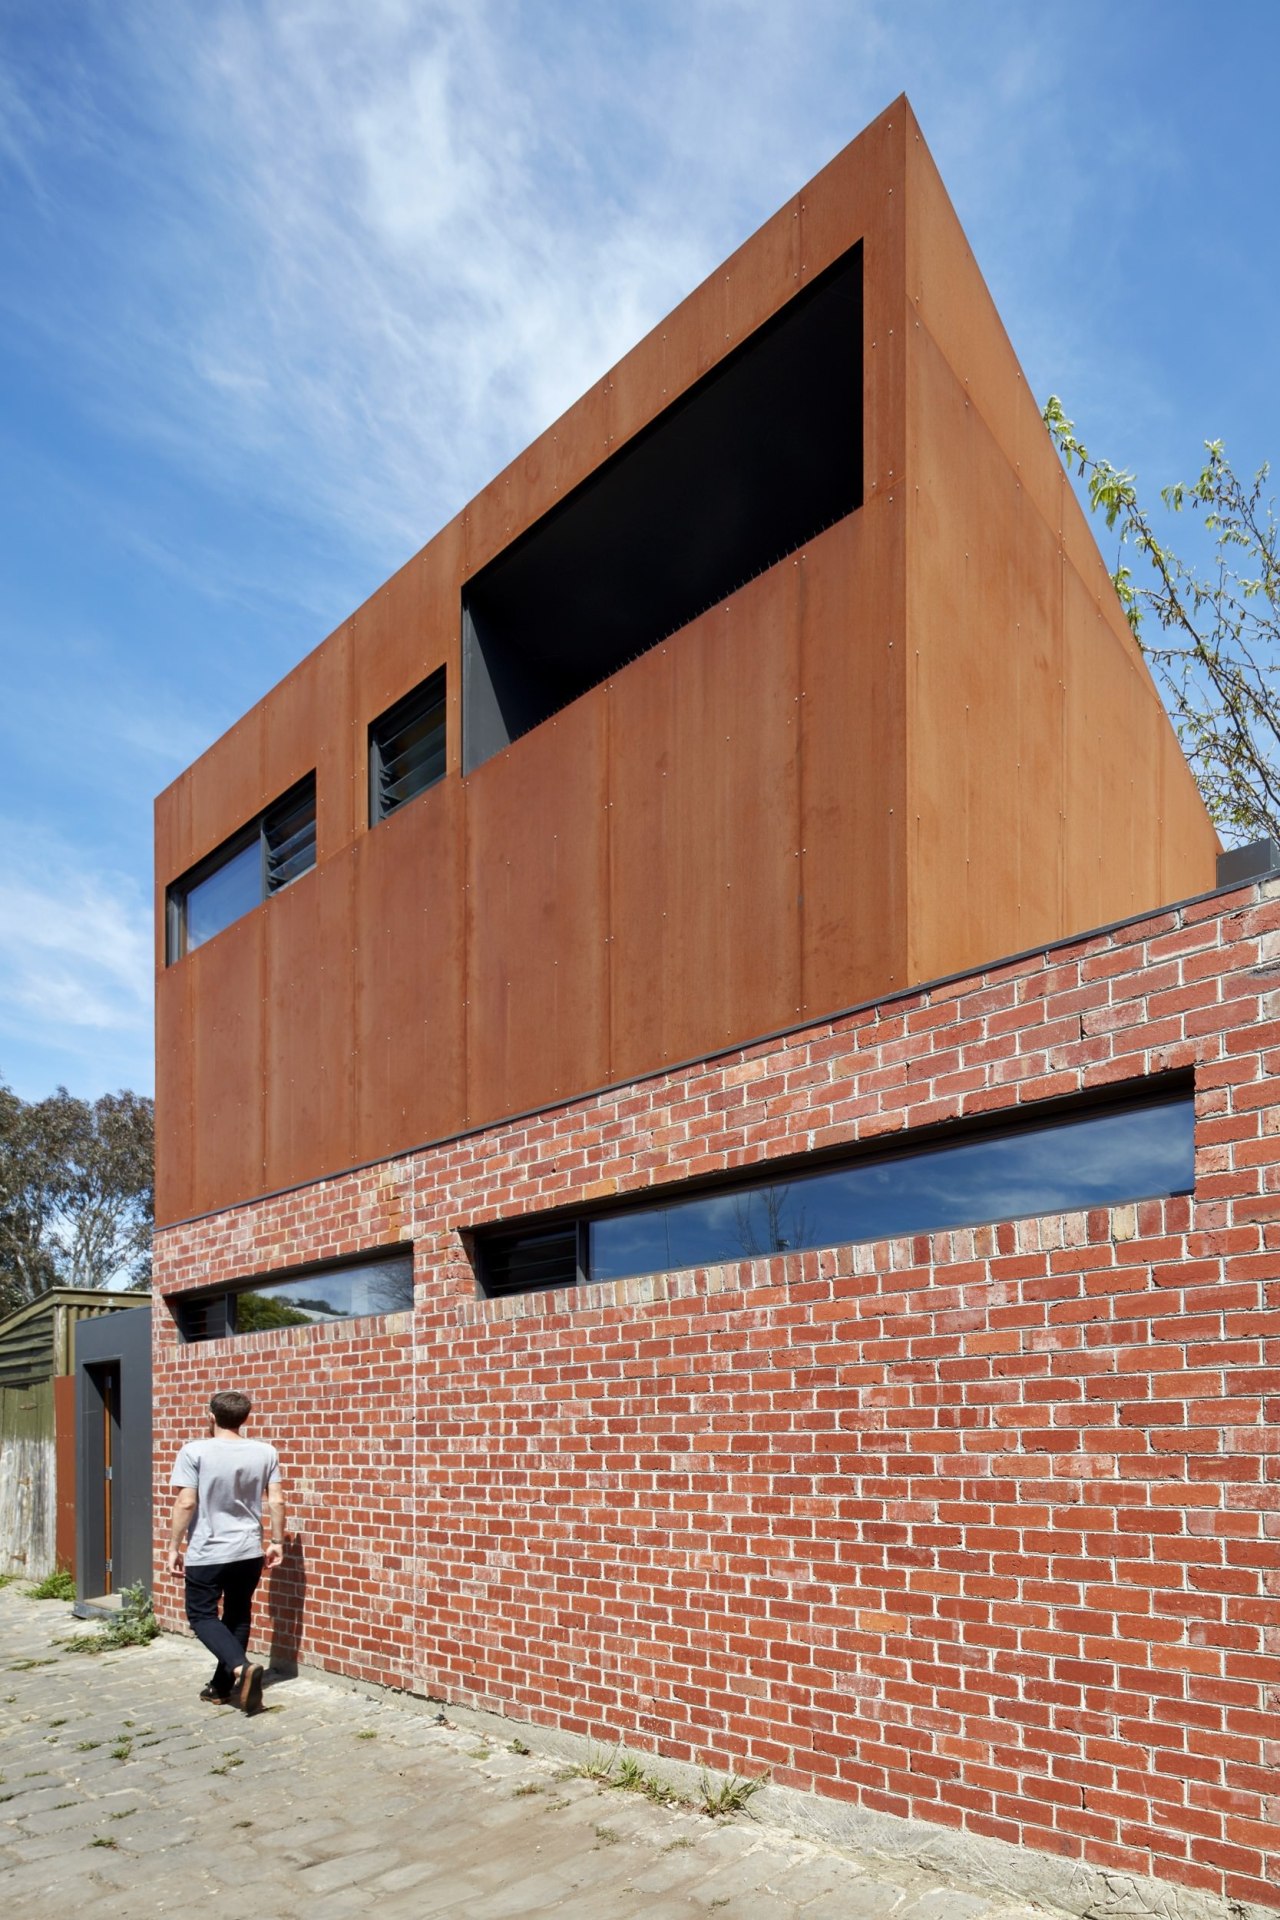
x=703, y=1296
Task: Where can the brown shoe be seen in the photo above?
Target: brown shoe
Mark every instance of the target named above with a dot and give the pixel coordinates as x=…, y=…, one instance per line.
x=247, y=1692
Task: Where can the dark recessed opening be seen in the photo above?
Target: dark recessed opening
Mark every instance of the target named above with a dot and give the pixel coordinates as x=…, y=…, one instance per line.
x=762, y=454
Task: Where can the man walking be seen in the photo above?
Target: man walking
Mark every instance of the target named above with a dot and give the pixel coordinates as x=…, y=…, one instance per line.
x=221, y=1482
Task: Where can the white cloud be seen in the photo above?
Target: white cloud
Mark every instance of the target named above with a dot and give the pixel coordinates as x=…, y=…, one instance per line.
x=75, y=948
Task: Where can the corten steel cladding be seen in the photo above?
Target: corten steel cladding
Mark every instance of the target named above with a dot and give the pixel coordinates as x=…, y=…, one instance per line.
x=923, y=738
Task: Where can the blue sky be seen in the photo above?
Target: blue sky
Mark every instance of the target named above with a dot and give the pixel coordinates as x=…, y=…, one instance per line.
x=282, y=285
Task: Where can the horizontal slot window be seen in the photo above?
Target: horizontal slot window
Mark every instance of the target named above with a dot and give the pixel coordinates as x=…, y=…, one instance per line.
x=1106, y=1157
x=756, y=458
x=407, y=748
x=305, y=1299
x=260, y=860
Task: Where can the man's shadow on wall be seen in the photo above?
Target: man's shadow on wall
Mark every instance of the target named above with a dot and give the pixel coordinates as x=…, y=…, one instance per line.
x=286, y=1607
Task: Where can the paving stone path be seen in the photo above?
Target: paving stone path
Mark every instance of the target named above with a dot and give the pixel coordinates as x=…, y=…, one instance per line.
x=123, y=1796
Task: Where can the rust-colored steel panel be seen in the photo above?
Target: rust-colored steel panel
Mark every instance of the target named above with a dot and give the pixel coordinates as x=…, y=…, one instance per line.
x=1112, y=741
x=175, y=1079
x=985, y=741
x=298, y=727
x=309, y=996
x=704, y=838
x=851, y=586
x=861, y=195
x=1189, y=844
x=409, y=1055
x=64, y=1471
x=231, y=788
x=406, y=630
x=338, y=767
x=950, y=301
x=955, y=317
x=537, y=1011
x=226, y=989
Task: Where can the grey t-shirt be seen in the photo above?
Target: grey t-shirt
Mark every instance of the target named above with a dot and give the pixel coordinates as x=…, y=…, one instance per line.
x=231, y=1478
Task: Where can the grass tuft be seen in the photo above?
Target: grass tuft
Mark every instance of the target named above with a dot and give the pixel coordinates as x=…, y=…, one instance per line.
x=728, y=1796
x=58, y=1585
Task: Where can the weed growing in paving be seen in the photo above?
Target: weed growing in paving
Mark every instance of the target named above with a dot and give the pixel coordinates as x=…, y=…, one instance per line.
x=598, y=1765
x=87, y=1746
x=61, y=1721
x=103, y=1840
x=366, y=1733
x=523, y=1792
x=122, y=1750
x=58, y=1585
x=729, y=1796
x=618, y=1769
x=517, y=1746
x=134, y=1626
x=123, y=1813
x=25, y=1666
x=607, y=1836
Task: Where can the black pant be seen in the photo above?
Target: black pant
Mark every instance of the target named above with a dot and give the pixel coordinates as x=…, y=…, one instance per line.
x=234, y=1583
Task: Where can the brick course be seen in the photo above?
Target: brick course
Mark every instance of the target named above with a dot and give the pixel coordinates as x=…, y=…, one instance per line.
x=979, y=1527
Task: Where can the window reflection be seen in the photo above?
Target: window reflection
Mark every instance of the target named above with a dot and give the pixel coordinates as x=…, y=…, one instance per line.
x=338, y=1293
x=231, y=890
x=1099, y=1159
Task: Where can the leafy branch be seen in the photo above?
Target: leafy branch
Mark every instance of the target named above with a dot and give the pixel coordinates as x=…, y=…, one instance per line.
x=1218, y=648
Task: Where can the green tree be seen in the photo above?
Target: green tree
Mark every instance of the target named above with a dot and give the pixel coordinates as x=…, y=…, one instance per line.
x=1217, y=651
x=76, y=1192
x=26, y=1262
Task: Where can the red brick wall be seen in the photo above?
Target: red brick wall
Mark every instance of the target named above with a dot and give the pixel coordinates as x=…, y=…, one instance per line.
x=979, y=1527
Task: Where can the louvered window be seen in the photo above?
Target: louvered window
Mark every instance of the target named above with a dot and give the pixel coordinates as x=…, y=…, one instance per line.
x=289, y=836
x=260, y=860
x=407, y=748
x=205, y=1317
x=532, y=1262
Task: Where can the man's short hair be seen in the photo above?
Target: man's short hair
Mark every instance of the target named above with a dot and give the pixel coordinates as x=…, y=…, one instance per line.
x=230, y=1408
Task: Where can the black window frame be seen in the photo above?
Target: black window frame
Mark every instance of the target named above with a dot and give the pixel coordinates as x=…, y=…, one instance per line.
x=415, y=705
x=496, y=1248
x=210, y=1313
x=263, y=828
